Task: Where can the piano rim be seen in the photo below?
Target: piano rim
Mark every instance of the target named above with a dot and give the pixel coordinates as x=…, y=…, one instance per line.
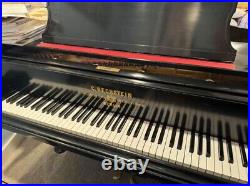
x=87, y=147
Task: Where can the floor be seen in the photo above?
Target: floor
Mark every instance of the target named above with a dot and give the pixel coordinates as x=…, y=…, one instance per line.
x=26, y=160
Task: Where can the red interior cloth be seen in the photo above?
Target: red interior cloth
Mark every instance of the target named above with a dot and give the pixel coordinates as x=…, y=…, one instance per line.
x=140, y=56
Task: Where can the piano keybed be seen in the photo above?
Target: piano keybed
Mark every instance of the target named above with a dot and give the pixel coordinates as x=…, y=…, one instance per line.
x=86, y=115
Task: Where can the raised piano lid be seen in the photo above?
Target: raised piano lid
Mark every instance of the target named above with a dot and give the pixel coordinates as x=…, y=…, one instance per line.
x=192, y=30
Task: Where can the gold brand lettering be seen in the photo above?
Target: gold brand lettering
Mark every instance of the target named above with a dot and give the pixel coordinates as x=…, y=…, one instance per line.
x=111, y=98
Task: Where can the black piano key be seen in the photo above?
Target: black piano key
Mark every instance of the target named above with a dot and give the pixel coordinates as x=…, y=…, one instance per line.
x=95, y=106
x=230, y=152
x=32, y=95
x=84, y=106
x=93, y=122
x=87, y=109
x=104, y=116
x=220, y=140
x=131, y=127
x=163, y=129
x=221, y=152
x=21, y=93
x=63, y=102
x=114, y=116
x=41, y=94
x=158, y=123
x=229, y=144
x=120, y=117
x=48, y=107
x=137, y=130
x=152, y=121
x=22, y=101
x=74, y=102
x=243, y=155
x=208, y=138
x=131, y=108
x=58, y=102
x=246, y=133
x=182, y=130
x=37, y=95
x=75, y=106
x=241, y=145
x=28, y=96
x=192, y=139
x=173, y=135
x=46, y=99
x=200, y=136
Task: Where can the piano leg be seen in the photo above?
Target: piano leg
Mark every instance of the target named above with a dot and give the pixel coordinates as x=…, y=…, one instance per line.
x=59, y=150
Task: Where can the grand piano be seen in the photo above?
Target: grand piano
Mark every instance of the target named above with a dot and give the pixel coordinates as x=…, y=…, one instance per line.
x=157, y=81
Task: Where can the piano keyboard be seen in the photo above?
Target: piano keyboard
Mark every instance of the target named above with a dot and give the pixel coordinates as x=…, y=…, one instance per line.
x=87, y=116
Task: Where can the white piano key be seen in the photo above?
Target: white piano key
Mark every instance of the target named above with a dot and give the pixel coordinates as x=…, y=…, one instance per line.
x=130, y=138
x=202, y=158
x=148, y=142
x=105, y=137
x=167, y=149
x=211, y=159
x=6, y=107
x=136, y=140
x=42, y=116
x=108, y=132
x=195, y=156
x=174, y=150
x=68, y=124
x=102, y=129
x=59, y=120
x=218, y=163
x=243, y=173
x=123, y=132
x=85, y=127
x=78, y=125
x=246, y=149
x=141, y=141
x=55, y=119
x=30, y=113
x=102, y=132
x=154, y=145
x=114, y=133
x=181, y=153
x=89, y=128
x=226, y=172
x=94, y=128
x=234, y=167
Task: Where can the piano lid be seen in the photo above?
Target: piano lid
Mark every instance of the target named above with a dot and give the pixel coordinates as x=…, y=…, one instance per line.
x=192, y=30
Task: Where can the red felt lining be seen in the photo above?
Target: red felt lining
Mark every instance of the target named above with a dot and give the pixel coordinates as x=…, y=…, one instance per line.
x=140, y=56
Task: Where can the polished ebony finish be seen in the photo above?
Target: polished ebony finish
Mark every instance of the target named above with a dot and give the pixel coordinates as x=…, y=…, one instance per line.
x=193, y=30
